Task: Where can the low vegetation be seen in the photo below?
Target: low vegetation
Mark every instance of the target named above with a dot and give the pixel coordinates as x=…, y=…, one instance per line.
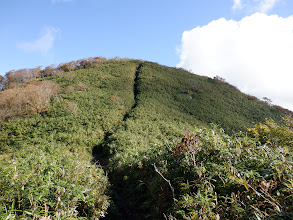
x=150, y=128
x=209, y=175
x=52, y=182
x=47, y=168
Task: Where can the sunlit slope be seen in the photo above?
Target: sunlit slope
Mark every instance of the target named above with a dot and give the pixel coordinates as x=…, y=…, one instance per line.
x=204, y=99
x=46, y=164
x=122, y=112
x=169, y=102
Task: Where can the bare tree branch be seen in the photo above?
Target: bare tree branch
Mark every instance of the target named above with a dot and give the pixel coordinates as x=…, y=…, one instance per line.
x=168, y=181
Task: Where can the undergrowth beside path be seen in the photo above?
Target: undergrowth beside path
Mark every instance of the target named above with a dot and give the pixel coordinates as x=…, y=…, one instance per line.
x=120, y=206
x=131, y=139
x=46, y=159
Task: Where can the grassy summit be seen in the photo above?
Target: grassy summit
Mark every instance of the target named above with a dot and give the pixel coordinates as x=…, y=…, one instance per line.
x=129, y=116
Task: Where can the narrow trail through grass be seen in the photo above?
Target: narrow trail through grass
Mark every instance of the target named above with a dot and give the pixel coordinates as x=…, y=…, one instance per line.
x=120, y=207
x=135, y=91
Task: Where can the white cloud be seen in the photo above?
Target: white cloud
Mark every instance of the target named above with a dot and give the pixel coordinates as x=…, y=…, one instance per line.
x=266, y=5
x=254, y=5
x=255, y=54
x=237, y=4
x=43, y=44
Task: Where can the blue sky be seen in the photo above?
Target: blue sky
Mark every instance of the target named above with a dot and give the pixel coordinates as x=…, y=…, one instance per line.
x=44, y=32
x=149, y=30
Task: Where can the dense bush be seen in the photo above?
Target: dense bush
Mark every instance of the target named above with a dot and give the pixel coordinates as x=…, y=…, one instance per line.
x=222, y=177
x=37, y=184
x=34, y=98
x=46, y=163
x=275, y=134
x=210, y=175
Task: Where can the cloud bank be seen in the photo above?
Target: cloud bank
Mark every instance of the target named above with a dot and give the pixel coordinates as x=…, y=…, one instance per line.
x=43, y=44
x=254, y=54
x=254, y=5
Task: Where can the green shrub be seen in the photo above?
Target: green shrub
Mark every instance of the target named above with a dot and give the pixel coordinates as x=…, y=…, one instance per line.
x=275, y=134
x=210, y=175
x=35, y=184
x=230, y=178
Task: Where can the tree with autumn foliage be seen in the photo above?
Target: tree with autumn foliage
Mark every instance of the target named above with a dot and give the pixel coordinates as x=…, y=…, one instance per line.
x=31, y=99
x=38, y=96
x=17, y=78
x=2, y=83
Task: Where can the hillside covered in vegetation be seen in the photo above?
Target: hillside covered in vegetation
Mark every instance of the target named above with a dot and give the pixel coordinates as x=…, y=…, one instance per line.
x=131, y=139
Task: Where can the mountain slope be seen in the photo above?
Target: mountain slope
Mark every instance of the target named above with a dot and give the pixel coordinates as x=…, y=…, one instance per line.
x=59, y=144
x=125, y=113
x=169, y=101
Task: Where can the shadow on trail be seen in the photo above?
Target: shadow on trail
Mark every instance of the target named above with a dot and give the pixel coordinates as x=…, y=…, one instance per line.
x=120, y=207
